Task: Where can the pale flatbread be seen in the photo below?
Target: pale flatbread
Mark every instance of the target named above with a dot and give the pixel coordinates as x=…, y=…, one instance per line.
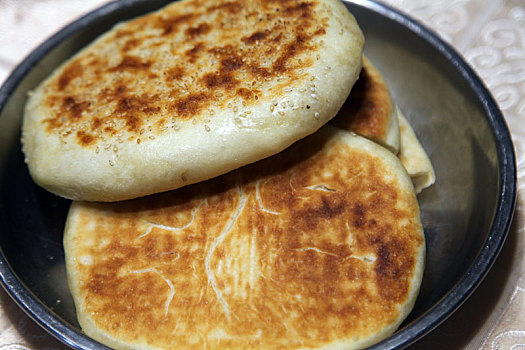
x=187, y=93
x=292, y=252
x=414, y=157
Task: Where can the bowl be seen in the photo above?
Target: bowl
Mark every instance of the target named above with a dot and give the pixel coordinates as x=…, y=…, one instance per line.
x=466, y=214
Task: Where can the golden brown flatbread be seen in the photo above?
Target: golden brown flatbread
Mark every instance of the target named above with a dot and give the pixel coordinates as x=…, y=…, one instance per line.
x=292, y=252
x=369, y=110
x=188, y=93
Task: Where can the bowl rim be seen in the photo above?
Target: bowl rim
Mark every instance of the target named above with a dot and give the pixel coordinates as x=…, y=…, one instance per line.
x=412, y=332
x=506, y=201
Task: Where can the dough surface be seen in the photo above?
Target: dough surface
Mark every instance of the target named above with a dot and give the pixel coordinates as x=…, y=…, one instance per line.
x=187, y=93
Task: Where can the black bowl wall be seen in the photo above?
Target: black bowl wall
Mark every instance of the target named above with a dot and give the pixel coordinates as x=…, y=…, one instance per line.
x=466, y=214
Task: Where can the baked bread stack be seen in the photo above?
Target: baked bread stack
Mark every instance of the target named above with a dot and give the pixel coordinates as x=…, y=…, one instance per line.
x=233, y=216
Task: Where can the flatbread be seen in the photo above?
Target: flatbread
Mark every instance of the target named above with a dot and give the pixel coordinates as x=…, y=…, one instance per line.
x=292, y=252
x=188, y=93
x=414, y=157
x=369, y=110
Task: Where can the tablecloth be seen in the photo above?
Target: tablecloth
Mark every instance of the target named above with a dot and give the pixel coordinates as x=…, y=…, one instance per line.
x=490, y=34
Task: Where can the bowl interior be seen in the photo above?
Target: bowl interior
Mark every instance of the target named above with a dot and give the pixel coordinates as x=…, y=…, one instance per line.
x=447, y=114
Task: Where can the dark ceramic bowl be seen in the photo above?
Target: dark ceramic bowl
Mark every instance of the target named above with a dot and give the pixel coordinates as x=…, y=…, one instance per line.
x=466, y=214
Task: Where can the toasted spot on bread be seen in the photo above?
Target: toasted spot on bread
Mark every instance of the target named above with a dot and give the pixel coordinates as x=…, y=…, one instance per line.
x=73, y=71
x=131, y=63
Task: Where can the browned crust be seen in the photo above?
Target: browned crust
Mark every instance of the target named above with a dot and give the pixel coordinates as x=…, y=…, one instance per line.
x=175, y=65
x=288, y=252
x=368, y=109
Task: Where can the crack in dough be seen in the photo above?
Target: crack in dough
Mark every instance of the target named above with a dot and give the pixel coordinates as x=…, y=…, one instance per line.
x=316, y=250
x=168, y=282
x=259, y=199
x=321, y=187
x=152, y=225
x=209, y=273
